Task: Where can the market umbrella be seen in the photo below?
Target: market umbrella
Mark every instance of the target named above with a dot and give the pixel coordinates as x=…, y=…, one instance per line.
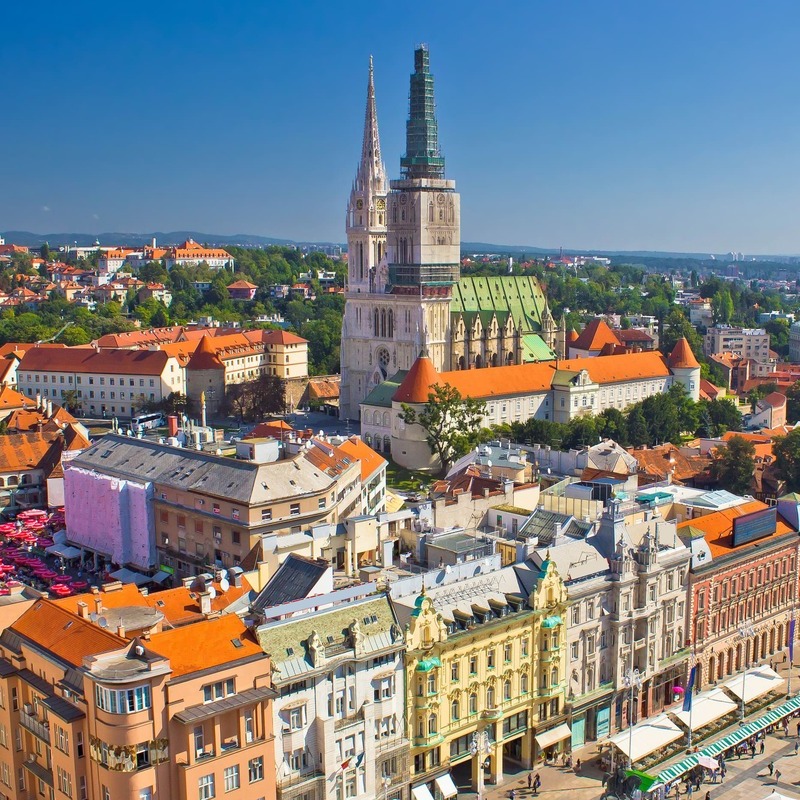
x=707, y=762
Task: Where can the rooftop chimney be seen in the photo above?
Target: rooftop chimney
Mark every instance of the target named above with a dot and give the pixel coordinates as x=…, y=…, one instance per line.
x=205, y=603
x=98, y=605
x=121, y=630
x=83, y=610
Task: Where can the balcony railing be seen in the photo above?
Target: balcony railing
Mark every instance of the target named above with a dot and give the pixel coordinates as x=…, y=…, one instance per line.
x=351, y=719
x=31, y=723
x=300, y=777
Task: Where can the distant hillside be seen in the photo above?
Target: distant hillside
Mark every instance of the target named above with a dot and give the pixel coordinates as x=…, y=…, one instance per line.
x=140, y=239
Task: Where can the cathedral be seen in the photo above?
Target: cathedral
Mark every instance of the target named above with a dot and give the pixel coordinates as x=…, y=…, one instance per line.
x=405, y=293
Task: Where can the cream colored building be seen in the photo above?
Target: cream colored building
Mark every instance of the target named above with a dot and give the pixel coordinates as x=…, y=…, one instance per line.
x=105, y=382
x=485, y=654
x=746, y=342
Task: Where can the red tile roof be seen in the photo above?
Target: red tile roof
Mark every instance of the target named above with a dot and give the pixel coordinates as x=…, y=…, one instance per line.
x=109, y=362
x=682, y=356
x=594, y=336
x=205, y=356
x=419, y=382
x=371, y=462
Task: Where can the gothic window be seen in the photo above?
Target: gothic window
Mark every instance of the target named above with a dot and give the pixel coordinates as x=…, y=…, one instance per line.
x=430, y=212
x=383, y=324
x=387, y=444
x=390, y=325
x=383, y=360
x=375, y=326
x=385, y=419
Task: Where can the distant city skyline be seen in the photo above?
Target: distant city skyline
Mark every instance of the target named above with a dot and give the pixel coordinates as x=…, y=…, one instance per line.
x=659, y=126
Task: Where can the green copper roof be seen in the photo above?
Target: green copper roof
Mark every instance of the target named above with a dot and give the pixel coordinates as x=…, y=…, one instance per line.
x=535, y=349
x=552, y=622
x=427, y=664
x=422, y=158
x=382, y=394
x=520, y=296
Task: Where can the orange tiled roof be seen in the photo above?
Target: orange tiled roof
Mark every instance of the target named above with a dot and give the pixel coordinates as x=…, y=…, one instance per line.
x=572, y=336
x=419, y=381
x=774, y=399
x=241, y=285
x=206, y=644
x=718, y=528
x=682, y=356
x=324, y=388
x=205, y=356
x=370, y=460
x=10, y=398
x=660, y=461
x=110, y=362
x=594, y=336
x=64, y=634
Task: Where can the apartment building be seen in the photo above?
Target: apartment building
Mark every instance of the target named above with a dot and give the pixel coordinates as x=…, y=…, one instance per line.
x=190, y=254
x=744, y=575
x=103, y=383
x=88, y=710
x=485, y=660
x=187, y=510
x=339, y=717
x=746, y=342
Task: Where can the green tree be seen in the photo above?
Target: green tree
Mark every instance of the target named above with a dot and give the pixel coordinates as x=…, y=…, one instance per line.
x=611, y=424
x=724, y=414
x=733, y=466
x=787, y=459
x=675, y=326
x=793, y=403
x=451, y=422
x=637, y=427
x=722, y=307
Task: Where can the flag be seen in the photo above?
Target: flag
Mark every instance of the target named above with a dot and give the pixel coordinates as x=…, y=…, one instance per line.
x=791, y=641
x=687, y=695
x=345, y=764
x=359, y=760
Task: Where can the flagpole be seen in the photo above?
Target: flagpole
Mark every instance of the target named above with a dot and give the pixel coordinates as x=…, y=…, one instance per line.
x=687, y=698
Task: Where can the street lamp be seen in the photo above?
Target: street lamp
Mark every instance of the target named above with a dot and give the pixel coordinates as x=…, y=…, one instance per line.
x=386, y=782
x=480, y=747
x=632, y=680
x=745, y=632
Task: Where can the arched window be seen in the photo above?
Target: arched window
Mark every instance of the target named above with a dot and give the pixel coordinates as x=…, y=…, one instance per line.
x=385, y=419
x=490, y=697
x=432, y=725
x=523, y=683
x=387, y=444
x=13, y=480
x=473, y=703
x=390, y=325
x=375, y=324
x=383, y=323
x=507, y=690
x=454, y=710
x=554, y=677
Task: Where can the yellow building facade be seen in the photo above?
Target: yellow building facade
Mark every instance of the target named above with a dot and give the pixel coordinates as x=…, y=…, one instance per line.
x=486, y=677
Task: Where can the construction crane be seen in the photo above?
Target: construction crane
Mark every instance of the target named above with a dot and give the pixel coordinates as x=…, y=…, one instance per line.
x=55, y=335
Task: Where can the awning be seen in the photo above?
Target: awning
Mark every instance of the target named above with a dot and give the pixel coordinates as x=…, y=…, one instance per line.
x=160, y=576
x=446, y=785
x=647, y=737
x=757, y=682
x=129, y=576
x=422, y=792
x=706, y=709
x=63, y=551
x=732, y=739
x=557, y=734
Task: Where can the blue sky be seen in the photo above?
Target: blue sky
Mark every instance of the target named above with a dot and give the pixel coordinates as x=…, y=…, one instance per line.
x=608, y=125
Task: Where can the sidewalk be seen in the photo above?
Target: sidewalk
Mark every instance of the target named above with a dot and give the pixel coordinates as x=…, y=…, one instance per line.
x=747, y=779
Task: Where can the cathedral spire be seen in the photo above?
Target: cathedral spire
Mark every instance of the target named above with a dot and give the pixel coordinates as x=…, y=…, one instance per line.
x=422, y=158
x=371, y=167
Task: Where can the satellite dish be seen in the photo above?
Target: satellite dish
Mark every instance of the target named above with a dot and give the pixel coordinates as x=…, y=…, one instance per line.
x=224, y=585
x=212, y=592
x=197, y=585
x=102, y=622
x=93, y=617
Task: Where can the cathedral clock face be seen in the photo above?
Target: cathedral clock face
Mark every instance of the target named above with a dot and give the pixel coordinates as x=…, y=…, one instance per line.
x=359, y=204
x=381, y=205
x=403, y=199
x=440, y=199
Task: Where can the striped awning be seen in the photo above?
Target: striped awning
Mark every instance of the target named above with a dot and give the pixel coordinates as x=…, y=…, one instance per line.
x=731, y=740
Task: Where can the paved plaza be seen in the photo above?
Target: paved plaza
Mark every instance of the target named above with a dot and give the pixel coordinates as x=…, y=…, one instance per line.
x=747, y=778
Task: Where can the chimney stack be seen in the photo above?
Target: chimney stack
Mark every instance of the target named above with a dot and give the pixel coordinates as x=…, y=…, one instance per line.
x=83, y=610
x=98, y=605
x=205, y=603
x=121, y=630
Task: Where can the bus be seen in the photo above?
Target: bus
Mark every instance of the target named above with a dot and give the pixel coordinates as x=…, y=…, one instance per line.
x=142, y=421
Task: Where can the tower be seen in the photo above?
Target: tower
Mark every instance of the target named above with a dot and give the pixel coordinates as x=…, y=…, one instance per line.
x=404, y=255
x=366, y=244
x=685, y=368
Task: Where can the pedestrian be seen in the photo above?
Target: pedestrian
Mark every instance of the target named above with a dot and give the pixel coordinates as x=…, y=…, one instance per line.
x=715, y=775
x=722, y=772
x=577, y=766
x=513, y=794
x=796, y=747
x=777, y=775
x=537, y=782
x=771, y=768
x=530, y=780
x=761, y=748
x=708, y=795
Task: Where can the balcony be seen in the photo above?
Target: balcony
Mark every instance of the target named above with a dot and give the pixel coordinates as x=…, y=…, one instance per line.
x=350, y=719
x=41, y=730
x=300, y=777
